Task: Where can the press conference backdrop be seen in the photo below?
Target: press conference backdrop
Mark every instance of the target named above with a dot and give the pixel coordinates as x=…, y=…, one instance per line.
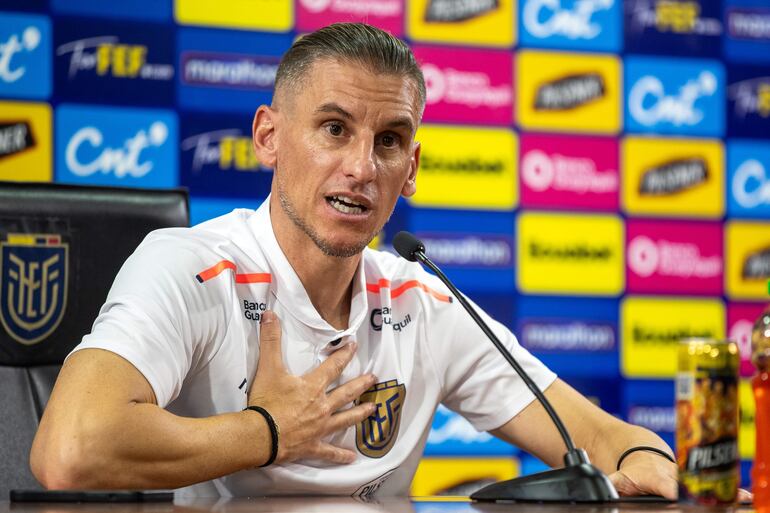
x=595, y=173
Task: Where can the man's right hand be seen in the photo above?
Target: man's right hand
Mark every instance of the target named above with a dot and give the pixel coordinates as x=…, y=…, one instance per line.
x=300, y=405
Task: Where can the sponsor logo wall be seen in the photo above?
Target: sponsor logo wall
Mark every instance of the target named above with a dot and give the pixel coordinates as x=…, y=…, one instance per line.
x=595, y=174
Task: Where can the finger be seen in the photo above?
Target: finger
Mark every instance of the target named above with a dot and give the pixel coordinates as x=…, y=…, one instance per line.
x=661, y=484
x=333, y=454
x=270, y=357
x=745, y=496
x=344, y=419
x=331, y=369
x=350, y=391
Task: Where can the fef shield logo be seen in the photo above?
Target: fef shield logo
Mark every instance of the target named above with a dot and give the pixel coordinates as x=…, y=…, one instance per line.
x=571, y=24
x=748, y=178
x=114, y=62
x=25, y=56
x=376, y=435
x=116, y=146
x=674, y=96
x=34, y=276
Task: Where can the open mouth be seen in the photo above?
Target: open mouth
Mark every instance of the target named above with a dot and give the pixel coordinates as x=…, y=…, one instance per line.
x=345, y=205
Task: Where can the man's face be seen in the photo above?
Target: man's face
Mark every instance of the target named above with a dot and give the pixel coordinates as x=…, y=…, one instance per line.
x=345, y=151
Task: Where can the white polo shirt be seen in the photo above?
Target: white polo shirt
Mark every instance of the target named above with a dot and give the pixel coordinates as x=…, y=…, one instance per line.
x=185, y=308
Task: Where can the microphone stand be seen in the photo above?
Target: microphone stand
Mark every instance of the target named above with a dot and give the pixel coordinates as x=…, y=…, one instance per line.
x=578, y=480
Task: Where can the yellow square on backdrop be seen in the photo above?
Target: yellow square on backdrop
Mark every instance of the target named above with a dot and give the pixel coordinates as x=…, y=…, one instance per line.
x=443, y=21
x=673, y=177
x=466, y=168
x=653, y=326
x=747, y=442
x=25, y=134
x=570, y=254
x=568, y=92
x=437, y=476
x=272, y=15
x=747, y=259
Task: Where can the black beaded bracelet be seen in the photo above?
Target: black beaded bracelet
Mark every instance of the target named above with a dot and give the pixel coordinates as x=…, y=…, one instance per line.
x=273, y=432
x=645, y=448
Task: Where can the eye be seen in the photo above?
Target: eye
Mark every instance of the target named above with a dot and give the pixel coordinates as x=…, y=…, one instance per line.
x=389, y=140
x=335, y=129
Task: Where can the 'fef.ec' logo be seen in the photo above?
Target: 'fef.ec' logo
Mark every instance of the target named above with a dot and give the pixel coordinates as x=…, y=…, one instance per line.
x=376, y=434
x=33, y=274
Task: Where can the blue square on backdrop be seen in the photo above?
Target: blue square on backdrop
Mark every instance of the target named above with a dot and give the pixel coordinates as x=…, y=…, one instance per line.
x=691, y=28
x=674, y=96
x=748, y=178
x=25, y=56
x=223, y=70
x=217, y=158
x=747, y=31
x=594, y=25
x=116, y=146
x=748, y=101
x=158, y=10
x=575, y=337
x=476, y=250
x=104, y=61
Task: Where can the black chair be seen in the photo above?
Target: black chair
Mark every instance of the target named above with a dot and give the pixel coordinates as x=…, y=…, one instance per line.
x=60, y=249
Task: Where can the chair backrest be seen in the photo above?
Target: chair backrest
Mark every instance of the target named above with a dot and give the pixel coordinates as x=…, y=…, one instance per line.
x=60, y=249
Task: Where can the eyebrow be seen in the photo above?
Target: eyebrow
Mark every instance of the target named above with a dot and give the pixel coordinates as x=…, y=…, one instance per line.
x=400, y=122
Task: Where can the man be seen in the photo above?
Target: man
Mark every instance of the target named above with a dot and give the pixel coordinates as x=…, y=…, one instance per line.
x=272, y=308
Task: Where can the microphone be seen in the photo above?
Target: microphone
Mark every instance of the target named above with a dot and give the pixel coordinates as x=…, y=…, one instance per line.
x=579, y=480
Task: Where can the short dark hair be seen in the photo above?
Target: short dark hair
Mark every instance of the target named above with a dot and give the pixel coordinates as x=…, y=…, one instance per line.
x=357, y=43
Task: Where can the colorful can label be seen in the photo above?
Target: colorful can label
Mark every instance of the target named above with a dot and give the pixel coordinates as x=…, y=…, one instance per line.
x=707, y=421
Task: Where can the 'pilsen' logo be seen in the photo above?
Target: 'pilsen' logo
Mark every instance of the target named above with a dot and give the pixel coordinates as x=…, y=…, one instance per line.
x=448, y=11
x=757, y=265
x=570, y=92
x=674, y=176
x=15, y=137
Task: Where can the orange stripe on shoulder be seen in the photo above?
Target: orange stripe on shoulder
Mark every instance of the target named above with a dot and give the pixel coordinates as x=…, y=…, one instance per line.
x=403, y=287
x=216, y=270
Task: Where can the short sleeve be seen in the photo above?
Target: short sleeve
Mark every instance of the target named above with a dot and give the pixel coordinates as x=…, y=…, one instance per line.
x=157, y=317
x=477, y=381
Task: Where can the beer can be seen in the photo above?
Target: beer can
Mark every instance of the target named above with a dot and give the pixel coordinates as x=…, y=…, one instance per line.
x=707, y=421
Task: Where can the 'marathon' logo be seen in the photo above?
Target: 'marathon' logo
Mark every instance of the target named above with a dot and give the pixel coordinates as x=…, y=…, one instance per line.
x=567, y=336
x=469, y=250
x=749, y=24
x=450, y=11
x=33, y=285
x=15, y=137
x=570, y=92
x=252, y=72
x=674, y=176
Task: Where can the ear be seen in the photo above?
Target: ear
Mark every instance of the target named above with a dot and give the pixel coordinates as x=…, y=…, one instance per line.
x=263, y=136
x=410, y=187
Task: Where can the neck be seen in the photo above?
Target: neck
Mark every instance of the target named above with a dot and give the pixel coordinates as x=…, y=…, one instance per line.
x=327, y=280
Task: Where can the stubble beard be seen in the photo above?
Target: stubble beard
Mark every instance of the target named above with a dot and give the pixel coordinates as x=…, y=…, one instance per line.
x=326, y=247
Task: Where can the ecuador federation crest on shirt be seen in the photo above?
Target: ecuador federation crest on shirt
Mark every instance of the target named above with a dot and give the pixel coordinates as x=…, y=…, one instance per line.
x=376, y=434
x=33, y=285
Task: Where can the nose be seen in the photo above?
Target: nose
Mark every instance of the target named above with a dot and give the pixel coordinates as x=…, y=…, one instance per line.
x=360, y=164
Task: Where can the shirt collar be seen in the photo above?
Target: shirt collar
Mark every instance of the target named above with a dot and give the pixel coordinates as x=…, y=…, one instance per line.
x=291, y=293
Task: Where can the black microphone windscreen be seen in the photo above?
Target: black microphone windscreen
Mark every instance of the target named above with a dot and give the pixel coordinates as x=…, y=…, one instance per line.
x=407, y=245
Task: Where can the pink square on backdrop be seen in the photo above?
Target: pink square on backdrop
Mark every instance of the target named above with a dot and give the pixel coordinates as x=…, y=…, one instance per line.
x=559, y=171
x=740, y=321
x=385, y=14
x=674, y=257
x=467, y=86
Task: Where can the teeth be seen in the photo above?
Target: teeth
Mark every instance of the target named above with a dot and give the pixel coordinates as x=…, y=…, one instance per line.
x=345, y=209
x=347, y=200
